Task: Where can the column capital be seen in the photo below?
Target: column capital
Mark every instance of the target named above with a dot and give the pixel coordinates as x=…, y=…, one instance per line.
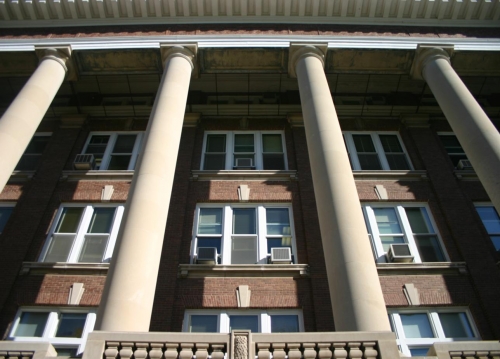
x=426, y=53
x=298, y=51
x=186, y=51
x=60, y=54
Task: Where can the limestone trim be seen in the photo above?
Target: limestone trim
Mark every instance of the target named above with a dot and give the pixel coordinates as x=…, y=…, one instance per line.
x=448, y=268
x=250, y=175
x=300, y=50
x=40, y=268
x=186, y=51
x=60, y=54
x=242, y=270
x=427, y=53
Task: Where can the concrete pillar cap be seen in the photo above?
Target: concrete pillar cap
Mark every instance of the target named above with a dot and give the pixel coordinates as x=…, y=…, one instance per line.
x=427, y=53
x=299, y=51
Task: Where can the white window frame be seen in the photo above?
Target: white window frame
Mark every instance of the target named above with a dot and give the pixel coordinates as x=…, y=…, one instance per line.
x=78, y=241
x=226, y=236
x=52, y=325
x=106, y=158
x=433, y=314
x=7, y=205
x=258, y=146
x=490, y=205
x=442, y=134
x=264, y=317
x=37, y=134
x=373, y=232
x=351, y=149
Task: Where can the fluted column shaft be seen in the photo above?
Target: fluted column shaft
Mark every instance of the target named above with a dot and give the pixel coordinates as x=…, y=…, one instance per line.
x=357, y=300
x=476, y=133
x=128, y=295
x=19, y=123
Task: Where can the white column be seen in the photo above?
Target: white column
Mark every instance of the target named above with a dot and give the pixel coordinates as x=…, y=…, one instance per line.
x=129, y=291
x=19, y=123
x=476, y=133
x=357, y=300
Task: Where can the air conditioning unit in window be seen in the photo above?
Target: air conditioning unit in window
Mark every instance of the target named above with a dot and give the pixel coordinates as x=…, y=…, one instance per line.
x=399, y=253
x=464, y=165
x=243, y=163
x=84, y=162
x=281, y=255
x=206, y=255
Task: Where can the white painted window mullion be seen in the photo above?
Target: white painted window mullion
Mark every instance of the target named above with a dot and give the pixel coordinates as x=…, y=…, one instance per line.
x=436, y=325
x=352, y=150
x=380, y=151
x=224, y=322
x=51, y=325
x=108, y=253
x=264, y=323
x=135, y=151
x=80, y=235
x=408, y=233
x=229, y=150
x=261, y=234
x=227, y=235
x=372, y=224
x=258, y=150
x=106, y=157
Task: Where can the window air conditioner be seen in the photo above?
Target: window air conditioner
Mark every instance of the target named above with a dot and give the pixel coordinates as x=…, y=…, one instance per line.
x=464, y=165
x=281, y=255
x=206, y=255
x=84, y=162
x=399, y=253
x=244, y=163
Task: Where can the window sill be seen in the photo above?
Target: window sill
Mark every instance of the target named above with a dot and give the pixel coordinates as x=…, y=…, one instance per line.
x=242, y=270
x=466, y=175
x=93, y=175
x=388, y=269
x=41, y=268
x=420, y=175
x=228, y=175
x=21, y=176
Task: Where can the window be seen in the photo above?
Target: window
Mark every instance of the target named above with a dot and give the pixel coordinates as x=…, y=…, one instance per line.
x=417, y=330
x=243, y=151
x=65, y=328
x=5, y=212
x=243, y=234
x=491, y=222
x=271, y=321
x=31, y=157
x=376, y=151
x=114, y=151
x=406, y=223
x=83, y=233
x=453, y=148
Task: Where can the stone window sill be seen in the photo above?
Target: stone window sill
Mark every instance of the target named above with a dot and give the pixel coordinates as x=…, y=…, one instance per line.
x=466, y=175
x=419, y=175
x=41, y=268
x=21, y=176
x=242, y=270
x=388, y=269
x=93, y=175
x=231, y=175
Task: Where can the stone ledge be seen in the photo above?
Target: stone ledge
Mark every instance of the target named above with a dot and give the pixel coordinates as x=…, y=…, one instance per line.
x=243, y=270
x=419, y=175
x=243, y=175
x=455, y=268
x=466, y=175
x=21, y=176
x=97, y=175
x=41, y=268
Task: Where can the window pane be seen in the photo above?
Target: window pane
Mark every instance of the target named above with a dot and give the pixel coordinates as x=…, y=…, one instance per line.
x=101, y=221
x=59, y=248
x=272, y=143
x=284, y=324
x=429, y=249
x=278, y=221
x=29, y=160
x=31, y=324
x=216, y=143
x=387, y=220
x=66, y=352
x=244, y=221
x=93, y=248
x=70, y=219
x=419, y=352
x=5, y=213
x=416, y=325
x=214, y=162
x=244, y=250
x=275, y=161
x=451, y=144
x=278, y=243
x=124, y=144
x=363, y=143
x=367, y=155
x=417, y=221
x=246, y=322
x=97, y=147
x=455, y=325
x=243, y=143
x=490, y=219
x=71, y=325
x=496, y=242
x=397, y=161
x=388, y=240
x=203, y=324
x=390, y=143
x=119, y=162
x=210, y=221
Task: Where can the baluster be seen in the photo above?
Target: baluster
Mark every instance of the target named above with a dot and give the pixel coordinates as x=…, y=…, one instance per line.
x=309, y=351
x=171, y=351
x=156, y=351
x=482, y=354
x=294, y=351
x=324, y=351
x=279, y=350
x=112, y=351
x=3, y=354
x=456, y=355
x=263, y=351
x=339, y=351
x=14, y=355
x=495, y=354
x=354, y=351
x=369, y=351
x=186, y=351
x=126, y=350
x=469, y=354
x=217, y=351
x=201, y=351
